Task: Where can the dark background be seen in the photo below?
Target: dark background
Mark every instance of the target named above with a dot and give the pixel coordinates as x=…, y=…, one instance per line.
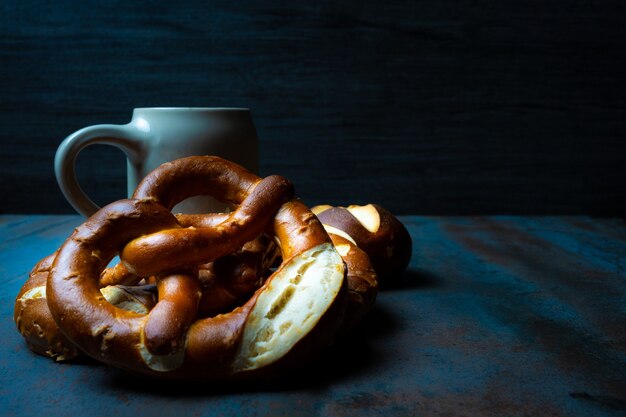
x=426, y=107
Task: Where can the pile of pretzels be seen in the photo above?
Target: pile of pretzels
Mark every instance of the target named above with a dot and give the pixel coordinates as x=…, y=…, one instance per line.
x=250, y=293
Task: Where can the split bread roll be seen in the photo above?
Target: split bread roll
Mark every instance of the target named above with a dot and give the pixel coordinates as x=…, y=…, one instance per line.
x=374, y=230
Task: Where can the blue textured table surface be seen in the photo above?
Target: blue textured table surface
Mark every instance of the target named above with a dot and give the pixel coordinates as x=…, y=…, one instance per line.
x=496, y=316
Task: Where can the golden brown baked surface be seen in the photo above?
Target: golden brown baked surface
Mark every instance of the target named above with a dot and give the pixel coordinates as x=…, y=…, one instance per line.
x=248, y=293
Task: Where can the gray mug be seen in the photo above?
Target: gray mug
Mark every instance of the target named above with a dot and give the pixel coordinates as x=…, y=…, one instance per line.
x=158, y=135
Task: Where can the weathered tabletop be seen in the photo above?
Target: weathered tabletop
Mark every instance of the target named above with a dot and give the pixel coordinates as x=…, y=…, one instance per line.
x=496, y=316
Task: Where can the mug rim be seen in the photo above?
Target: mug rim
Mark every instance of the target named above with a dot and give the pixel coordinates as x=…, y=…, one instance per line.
x=204, y=109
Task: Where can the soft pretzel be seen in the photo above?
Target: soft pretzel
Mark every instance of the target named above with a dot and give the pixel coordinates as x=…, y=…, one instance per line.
x=177, y=246
x=231, y=280
x=226, y=283
x=298, y=309
x=374, y=230
x=34, y=320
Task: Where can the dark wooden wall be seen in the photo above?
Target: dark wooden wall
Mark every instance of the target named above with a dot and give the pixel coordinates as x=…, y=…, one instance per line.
x=448, y=107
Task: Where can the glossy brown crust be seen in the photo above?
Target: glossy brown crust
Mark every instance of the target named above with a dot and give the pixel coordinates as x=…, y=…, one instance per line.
x=225, y=283
x=163, y=250
x=101, y=330
x=297, y=229
x=120, y=275
x=201, y=220
x=218, y=337
x=362, y=282
x=112, y=335
x=389, y=248
x=230, y=280
x=34, y=321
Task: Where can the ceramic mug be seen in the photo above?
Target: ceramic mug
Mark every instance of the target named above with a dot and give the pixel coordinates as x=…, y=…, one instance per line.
x=158, y=135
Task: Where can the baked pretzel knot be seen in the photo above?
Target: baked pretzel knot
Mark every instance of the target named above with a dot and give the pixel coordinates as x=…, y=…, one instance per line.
x=293, y=314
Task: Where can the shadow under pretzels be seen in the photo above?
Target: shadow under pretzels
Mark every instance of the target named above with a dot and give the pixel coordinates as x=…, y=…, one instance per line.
x=351, y=355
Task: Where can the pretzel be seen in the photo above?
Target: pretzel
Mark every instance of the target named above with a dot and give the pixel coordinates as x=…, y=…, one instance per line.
x=362, y=281
x=295, y=312
x=231, y=279
x=34, y=320
x=374, y=230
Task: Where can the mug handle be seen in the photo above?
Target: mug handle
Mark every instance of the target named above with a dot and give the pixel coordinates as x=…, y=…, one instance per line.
x=127, y=137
